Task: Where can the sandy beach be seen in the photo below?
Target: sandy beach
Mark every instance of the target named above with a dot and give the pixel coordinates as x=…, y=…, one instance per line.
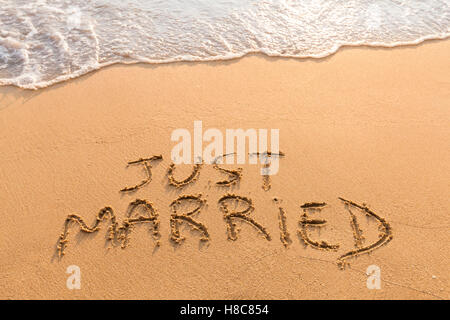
x=370, y=125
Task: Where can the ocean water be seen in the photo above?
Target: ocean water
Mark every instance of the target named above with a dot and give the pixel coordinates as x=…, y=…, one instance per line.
x=47, y=41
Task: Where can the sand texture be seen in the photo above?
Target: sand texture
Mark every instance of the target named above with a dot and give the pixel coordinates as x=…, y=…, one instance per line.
x=86, y=180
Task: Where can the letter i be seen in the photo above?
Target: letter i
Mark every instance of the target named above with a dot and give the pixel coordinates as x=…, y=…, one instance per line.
x=285, y=237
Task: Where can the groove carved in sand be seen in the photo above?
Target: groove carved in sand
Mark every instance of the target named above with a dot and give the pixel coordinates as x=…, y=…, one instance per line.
x=116, y=233
x=285, y=237
x=384, y=227
x=264, y=158
x=231, y=216
x=146, y=162
x=119, y=233
x=306, y=222
x=235, y=175
x=177, y=218
x=191, y=178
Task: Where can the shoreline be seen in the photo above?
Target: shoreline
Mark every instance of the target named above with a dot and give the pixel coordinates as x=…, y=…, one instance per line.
x=417, y=43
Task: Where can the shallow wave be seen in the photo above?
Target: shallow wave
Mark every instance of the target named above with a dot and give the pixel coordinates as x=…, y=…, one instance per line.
x=48, y=41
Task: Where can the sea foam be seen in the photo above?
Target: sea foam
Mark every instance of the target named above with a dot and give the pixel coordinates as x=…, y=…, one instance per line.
x=46, y=41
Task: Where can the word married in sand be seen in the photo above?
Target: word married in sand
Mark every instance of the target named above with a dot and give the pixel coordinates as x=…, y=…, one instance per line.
x=142, y=211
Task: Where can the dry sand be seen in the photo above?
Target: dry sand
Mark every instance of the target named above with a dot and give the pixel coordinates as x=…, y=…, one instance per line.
x=370, y=125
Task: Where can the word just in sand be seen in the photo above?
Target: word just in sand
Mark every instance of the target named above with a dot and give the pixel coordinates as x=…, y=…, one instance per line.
x=141, y=211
